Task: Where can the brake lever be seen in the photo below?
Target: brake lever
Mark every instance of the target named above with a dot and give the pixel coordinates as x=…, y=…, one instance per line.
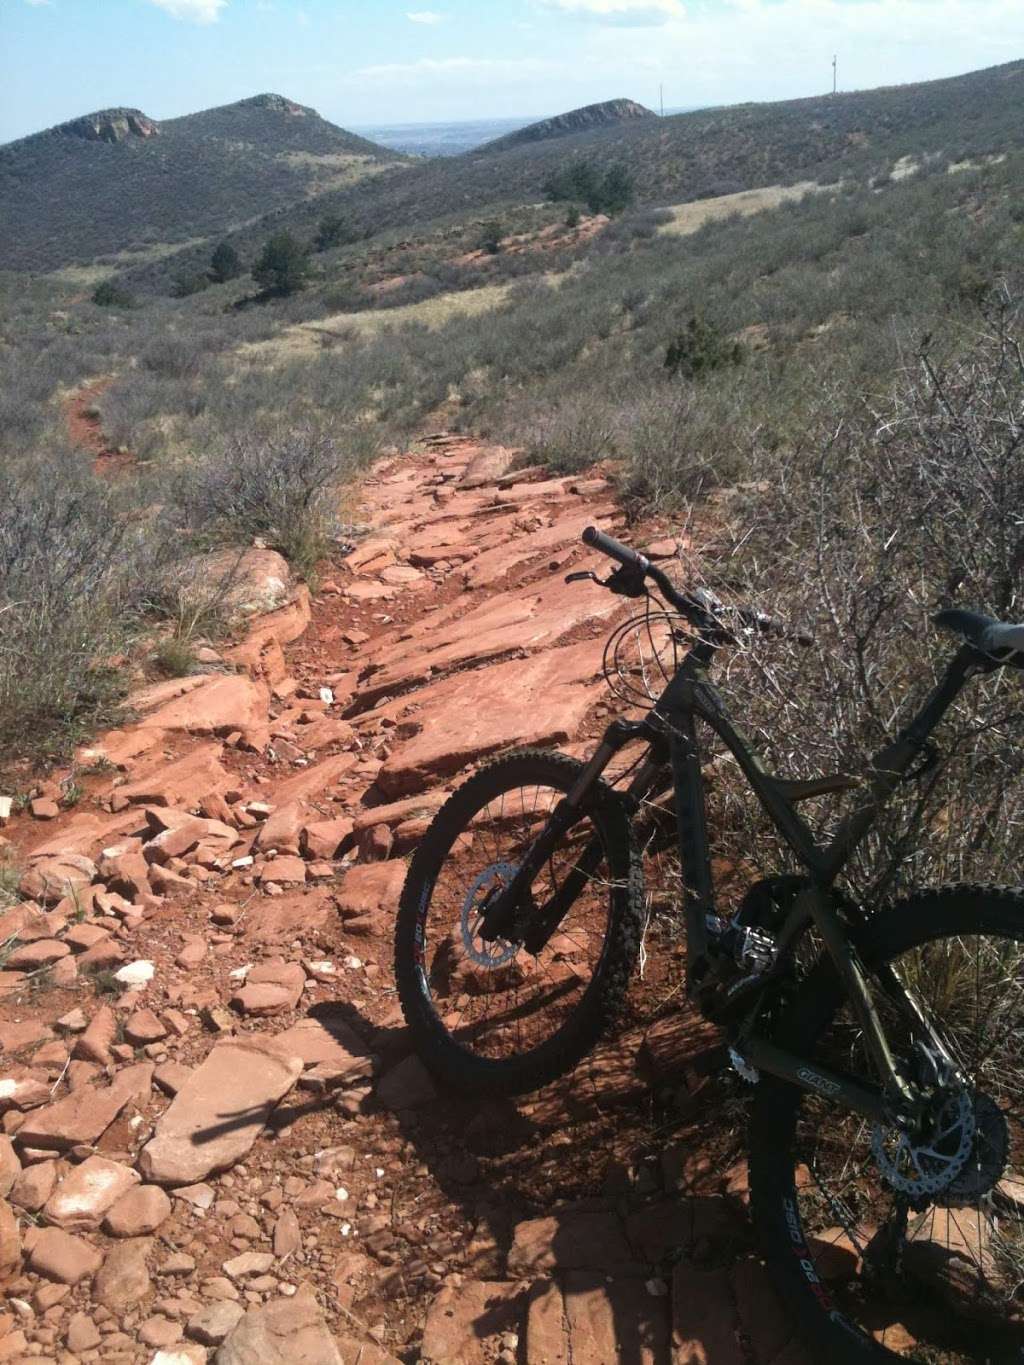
x=625, y=582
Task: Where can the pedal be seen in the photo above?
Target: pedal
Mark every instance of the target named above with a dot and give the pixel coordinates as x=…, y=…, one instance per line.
x=753, y=949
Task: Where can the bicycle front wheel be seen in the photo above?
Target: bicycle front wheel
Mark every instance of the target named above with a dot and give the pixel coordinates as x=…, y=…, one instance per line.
x=489, y=1017
x=885, y=1248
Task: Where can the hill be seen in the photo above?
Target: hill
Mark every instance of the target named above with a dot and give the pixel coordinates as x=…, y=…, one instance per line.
x=690, y=156
x=585, y=120
x=118, y=181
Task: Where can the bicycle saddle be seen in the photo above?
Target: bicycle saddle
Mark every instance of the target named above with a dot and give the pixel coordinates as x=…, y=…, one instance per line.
x=999, y=639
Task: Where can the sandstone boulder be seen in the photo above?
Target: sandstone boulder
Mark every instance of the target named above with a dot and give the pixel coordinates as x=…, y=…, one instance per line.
x=52, y=876
x=60, y=1256
x=87, y=1192
x=282, y=1332
x=217, y=1114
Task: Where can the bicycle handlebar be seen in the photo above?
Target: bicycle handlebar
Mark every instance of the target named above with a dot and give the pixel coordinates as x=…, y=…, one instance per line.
x=702, y=610
x=614, y=549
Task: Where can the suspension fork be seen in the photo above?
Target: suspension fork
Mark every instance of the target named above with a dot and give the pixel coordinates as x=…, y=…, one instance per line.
x=694, y=848
x=499, y=916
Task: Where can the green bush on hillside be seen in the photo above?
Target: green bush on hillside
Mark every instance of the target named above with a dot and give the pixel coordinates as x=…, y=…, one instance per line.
x=187, y=285
x=111, y=295
x=333, y=231
x=699, y=349
x=609, y=191
x=225, y=264
x=283, y=265
x=490, y=237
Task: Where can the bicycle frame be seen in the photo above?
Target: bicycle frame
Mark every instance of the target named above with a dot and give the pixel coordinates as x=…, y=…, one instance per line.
x=671, y=729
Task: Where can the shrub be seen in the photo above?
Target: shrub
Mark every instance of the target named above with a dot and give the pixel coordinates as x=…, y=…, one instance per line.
x=609, y=191
x=187, y=285
x=283, y=265
x=281, y=487
x=68, y=549
x=883, y=511
x=110, y=295
x=700, y=349
x=225, y=263
x=333, y=231
x=572, y=218
x=490, y=237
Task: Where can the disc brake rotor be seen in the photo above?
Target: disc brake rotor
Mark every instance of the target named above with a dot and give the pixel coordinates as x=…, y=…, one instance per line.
x=478, y=950
x=931, y=1166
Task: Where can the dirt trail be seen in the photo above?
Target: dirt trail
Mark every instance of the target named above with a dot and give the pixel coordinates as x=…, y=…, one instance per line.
x=86, y=432
x=217, y=1140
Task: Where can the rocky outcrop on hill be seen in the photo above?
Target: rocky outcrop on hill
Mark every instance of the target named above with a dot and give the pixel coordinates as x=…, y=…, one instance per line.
x=110, y=125
x=277, y=104
x=583, y=120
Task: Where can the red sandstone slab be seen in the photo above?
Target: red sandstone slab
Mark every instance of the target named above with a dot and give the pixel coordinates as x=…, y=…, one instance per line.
x=492, y=566
x=540, y=700
x=223, y=703
x=184, y=780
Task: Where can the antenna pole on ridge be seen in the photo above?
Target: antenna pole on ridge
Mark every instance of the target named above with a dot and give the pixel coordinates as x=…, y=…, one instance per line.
x=835, y=86
x=661, y=97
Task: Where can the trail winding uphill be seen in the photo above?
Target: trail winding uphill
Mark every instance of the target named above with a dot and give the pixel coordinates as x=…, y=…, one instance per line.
x=216, y=1142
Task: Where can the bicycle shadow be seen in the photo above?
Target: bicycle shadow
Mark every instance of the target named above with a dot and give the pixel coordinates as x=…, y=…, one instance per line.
x=571, y=1166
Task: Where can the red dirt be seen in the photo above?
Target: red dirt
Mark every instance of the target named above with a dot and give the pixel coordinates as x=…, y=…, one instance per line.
x=86, y=432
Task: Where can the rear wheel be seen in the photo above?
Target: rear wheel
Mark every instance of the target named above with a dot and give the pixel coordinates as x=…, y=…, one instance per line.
x=887, y=1249
x=490, y=1017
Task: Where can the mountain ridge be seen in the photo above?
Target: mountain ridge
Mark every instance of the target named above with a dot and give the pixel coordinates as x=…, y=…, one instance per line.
x=586, y=118
x=702, y=154
x=117, y=180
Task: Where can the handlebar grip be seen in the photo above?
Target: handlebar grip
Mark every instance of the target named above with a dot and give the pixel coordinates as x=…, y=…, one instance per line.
x=614, y=549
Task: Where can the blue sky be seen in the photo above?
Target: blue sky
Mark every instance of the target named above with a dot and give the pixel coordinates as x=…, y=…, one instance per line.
x=427, y=60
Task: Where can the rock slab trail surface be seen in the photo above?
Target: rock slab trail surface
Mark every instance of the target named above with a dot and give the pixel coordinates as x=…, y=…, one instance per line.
x=216, y=1143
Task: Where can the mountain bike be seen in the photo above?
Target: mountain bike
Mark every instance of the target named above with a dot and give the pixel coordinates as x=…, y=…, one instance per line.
x=887, y=1131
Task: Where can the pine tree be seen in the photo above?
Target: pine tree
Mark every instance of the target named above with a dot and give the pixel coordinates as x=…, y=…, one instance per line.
x=225, y=263
x=283, y=265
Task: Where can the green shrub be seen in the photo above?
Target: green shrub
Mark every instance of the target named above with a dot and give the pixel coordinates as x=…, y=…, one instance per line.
x=700, y=349
x=283, y=265
x=603, y=191
x=111, y=295
x=225, y=263
x=572, y=218
x=187, y=285
x=490, y=237
x=333, y=231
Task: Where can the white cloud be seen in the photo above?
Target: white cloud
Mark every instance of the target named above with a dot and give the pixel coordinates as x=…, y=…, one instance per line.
x=466, y=69
x=778, y=49
x=624, y=13
x=195, y=11
x=424, y=16
x=727, y=52
x=39, y=4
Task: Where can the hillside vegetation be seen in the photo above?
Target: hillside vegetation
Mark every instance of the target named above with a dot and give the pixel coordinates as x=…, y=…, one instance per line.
x=118, y=181
x=687, y=363
x=685, y=157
